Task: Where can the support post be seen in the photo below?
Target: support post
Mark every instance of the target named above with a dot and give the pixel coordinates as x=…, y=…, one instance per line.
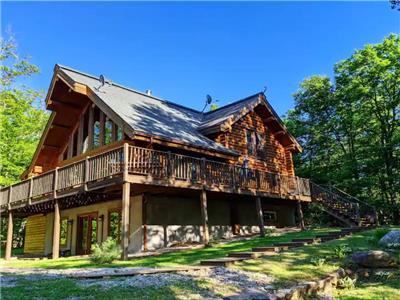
x=126, y=190
x=260, y=216
x=114, y=132
x=204, y=216
x=126, y=162
x=56, y=230
x=300, y=214
x=9, y=236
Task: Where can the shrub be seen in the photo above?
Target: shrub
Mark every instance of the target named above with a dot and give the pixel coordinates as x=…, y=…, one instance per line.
x=318, y=261
x=346, y=283
x=105, y=253
x=342, y=251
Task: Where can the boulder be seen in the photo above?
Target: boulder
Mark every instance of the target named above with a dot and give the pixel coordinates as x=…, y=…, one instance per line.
x=374, y=259
x=392, y=237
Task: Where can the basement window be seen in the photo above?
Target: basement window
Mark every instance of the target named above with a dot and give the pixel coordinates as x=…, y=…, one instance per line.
x=269, y=216
x=114, y=224
x=64, y=233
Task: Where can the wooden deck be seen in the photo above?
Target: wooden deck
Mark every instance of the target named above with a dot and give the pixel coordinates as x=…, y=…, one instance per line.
x=145, y=166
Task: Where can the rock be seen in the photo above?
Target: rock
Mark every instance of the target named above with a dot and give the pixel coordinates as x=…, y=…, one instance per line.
x=392, y=237
x=374, y=259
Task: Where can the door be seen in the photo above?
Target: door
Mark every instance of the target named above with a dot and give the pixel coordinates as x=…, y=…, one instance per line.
x=87, y=233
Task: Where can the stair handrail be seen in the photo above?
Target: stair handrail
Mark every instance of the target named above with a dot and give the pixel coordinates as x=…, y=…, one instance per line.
x=354, y=206
x=348, y=195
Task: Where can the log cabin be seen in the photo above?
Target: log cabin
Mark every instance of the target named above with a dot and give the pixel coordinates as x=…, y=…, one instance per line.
x=150, y=173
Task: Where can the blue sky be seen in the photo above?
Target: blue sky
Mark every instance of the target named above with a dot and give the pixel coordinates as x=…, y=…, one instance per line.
x=185, y=50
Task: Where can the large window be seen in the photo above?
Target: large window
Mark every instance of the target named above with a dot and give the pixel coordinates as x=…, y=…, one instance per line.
x=114, y=224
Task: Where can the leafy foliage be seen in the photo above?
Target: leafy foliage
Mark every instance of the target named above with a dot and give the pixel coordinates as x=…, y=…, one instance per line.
x=342, y=251
x=347, y=283
x=350, y=126
x=22, y=119
x=105, y=253
x=21, y=123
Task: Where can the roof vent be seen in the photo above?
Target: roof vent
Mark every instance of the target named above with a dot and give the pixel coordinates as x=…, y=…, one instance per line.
x=148, y=92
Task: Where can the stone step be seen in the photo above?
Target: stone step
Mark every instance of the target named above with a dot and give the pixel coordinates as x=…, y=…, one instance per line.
x=291, y=244
x=250, y=254
x=327, y=239
x=269, y=248
x=221, y=262
x=308, y=240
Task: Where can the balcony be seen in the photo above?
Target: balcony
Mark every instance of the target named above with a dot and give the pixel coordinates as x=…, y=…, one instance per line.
x=150, y=167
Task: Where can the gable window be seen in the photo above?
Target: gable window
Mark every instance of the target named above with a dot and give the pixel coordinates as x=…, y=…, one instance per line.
x=251, y=142
x=255, y=143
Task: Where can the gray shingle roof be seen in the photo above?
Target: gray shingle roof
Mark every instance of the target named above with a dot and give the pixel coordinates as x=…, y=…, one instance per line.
x=150, y=115
x=157, y=117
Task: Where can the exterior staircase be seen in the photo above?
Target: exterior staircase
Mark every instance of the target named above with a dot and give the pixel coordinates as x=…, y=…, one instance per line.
x=344, y=207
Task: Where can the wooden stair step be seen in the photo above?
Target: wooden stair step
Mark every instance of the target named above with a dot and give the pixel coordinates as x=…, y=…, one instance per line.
x=250, y=254
x=221, y=262
x=308, y=240
x=291, y=244
x=269, y=248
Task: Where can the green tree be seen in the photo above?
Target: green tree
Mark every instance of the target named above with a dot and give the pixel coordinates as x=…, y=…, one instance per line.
x=350, y=126
x=22, y=118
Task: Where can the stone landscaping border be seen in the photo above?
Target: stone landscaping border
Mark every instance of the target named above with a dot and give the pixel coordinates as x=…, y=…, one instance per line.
x=311, y=288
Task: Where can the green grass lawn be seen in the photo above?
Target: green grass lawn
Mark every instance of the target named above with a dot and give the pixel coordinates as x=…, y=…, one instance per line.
x=173, y=259
x=376, y=288
x=288, y=268
x=296, y=266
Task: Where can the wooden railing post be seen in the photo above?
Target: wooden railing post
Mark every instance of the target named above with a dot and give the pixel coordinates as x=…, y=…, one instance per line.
x=30, y=190
x=298, y=185
x=55, y=183
x=126, y=162
x=9, y=197
x=86, y=174
x=280, y=185
x=169, y=165
x=203, y=170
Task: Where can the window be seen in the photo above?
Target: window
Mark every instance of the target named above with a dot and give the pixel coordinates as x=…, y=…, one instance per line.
x=114, y=224
x=255, y=143
x=269, y=216
x=108, y=131
x=64, y=233
x=96, y=134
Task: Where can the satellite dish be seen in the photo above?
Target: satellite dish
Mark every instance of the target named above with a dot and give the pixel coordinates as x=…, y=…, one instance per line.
x=102, y=80
x=209, y=99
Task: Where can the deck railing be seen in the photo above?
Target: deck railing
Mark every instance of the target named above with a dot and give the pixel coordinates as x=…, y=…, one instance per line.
x=159, y=165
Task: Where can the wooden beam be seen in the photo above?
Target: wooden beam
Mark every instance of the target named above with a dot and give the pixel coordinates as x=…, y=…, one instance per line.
x=91, y=127
x=70, y=146
x=80, y=134
x=204, y=217
x=56, y=230
x=102, y=134
x=60, y=126
x=51, y=146
x=9, y=236
x=279, y=133
x=269, y=119
x=63, y=104
x=126, y=191
x=300, y=215
x=260, y=216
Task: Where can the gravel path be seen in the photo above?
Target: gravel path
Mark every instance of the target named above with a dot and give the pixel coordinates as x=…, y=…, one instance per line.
x=207, y=282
